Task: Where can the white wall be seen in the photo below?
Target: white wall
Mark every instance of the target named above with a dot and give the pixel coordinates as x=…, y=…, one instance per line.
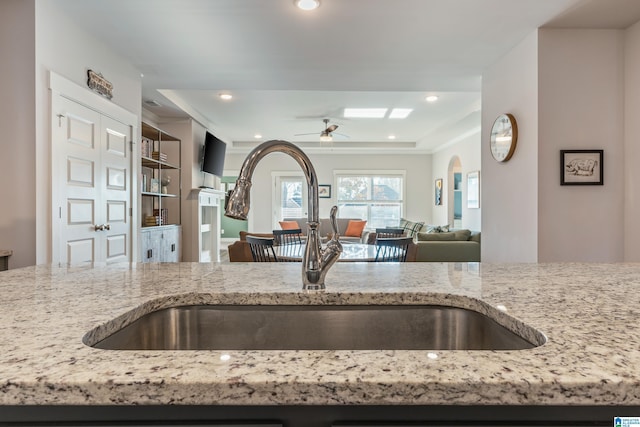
x=62, y=46
x=632, y=145
x=17, y=117
x=581, y=106
x=419, y=191
x=468, y=151
x=509, y=190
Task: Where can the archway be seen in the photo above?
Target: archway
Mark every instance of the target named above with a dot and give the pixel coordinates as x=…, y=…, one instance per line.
x=454, y=192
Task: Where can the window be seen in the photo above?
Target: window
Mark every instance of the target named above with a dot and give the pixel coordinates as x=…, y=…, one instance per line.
x=376, y=196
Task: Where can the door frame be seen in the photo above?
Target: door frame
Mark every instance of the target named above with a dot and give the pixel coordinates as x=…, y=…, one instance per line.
x=275, y=194
x=62, y=87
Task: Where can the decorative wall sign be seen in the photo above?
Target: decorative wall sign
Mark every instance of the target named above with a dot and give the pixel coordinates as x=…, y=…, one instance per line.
x=581, y=167
x=438, y=192
x=99, y=84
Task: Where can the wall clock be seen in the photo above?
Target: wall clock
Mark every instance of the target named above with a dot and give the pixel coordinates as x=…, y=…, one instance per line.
x=504, y=135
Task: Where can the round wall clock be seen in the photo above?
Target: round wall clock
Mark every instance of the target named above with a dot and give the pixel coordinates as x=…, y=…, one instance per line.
x=504, y=135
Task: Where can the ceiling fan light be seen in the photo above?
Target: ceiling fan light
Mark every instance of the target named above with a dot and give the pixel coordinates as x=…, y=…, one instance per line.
x=324, y=137
x=307, y=4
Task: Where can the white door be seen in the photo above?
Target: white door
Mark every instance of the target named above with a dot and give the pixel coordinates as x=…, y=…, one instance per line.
x=91, y=191
x=290, y=198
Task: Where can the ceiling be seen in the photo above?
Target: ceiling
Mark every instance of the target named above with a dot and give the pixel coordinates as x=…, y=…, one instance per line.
x=289, y=69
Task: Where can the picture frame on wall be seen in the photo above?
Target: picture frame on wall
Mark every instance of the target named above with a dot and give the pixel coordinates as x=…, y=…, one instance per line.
x=438, y=192
x=581, y=167
x=324, y=191
x=473, y=190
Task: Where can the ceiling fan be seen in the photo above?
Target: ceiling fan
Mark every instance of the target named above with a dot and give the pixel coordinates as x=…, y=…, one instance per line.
x=327, y=134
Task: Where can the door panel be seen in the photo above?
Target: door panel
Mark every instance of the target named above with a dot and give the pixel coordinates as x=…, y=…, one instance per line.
x=80, y=251
x=116, y=247
x=80, y=172
x=80, y=212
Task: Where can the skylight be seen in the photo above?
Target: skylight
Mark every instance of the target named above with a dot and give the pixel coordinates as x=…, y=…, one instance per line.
x=365, y=113
x=400, y=113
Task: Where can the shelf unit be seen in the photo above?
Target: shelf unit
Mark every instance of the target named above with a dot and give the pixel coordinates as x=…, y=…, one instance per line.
x=206, y=209
x=160, y=196
x=160, y=161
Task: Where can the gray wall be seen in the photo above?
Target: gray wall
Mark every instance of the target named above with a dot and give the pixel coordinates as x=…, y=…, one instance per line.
x=17, y=122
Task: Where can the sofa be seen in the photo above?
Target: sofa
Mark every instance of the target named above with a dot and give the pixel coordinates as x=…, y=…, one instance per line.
x=439, y=243
x=452, y=246
x=324, y=229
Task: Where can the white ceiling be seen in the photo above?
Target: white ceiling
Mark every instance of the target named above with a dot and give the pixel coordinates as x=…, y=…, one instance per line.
x=288, y=69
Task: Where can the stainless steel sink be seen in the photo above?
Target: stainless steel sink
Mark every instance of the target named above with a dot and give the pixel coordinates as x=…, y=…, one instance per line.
x=363, y=327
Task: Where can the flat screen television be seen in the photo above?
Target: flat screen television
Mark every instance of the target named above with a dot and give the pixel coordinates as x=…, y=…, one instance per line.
x=213, y=155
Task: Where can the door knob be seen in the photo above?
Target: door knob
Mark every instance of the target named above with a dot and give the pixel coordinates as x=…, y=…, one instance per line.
x=101, y=227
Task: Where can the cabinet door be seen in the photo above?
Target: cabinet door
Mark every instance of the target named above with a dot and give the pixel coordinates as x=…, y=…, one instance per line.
x=151, y=243
x=169, y=245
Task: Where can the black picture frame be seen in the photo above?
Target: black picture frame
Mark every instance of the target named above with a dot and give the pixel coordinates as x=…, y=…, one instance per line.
x=581, y=167
x=324, y=191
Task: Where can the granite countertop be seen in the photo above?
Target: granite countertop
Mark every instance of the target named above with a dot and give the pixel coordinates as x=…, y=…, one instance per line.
x=588, y=313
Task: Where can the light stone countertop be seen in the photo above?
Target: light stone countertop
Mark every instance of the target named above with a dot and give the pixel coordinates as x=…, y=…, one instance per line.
x=588, y=312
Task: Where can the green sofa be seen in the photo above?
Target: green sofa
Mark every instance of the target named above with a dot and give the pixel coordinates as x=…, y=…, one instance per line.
x=453, y=246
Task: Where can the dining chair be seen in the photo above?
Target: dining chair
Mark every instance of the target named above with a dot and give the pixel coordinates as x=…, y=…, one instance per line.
x=393, y=249
x=287, y=237
x=262, y=249
x=389, y=232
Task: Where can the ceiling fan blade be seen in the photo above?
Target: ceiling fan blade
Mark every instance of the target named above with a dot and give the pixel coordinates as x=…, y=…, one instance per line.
x=305, y=134
x=332, y=128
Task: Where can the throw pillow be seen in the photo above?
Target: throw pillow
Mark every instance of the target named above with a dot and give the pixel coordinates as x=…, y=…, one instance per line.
x=289, y=225
x=403, y=223
x=412, y=228
x=355, y=228
x=437, y=228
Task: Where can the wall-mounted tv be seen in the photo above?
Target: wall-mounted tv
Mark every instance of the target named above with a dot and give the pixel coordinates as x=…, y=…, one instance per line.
x=213, y=155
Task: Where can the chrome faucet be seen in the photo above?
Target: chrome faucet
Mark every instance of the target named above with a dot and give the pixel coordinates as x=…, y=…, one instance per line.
x=316, y=261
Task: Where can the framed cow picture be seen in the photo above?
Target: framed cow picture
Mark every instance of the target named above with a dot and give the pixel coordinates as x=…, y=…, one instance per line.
x=581, y=167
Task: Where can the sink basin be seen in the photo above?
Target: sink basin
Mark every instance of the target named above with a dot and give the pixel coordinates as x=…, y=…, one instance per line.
x=348, y=327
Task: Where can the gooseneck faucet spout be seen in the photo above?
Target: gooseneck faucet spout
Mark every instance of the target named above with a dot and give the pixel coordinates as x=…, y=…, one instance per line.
x=316, y=261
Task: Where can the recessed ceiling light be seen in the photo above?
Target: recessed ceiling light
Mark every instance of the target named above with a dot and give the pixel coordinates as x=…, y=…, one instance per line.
x=400, y=113
x=431, y=98
x=225, y=96
x=365, y=113
x=257, y=136
x=307, y=4
x=391, y=137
